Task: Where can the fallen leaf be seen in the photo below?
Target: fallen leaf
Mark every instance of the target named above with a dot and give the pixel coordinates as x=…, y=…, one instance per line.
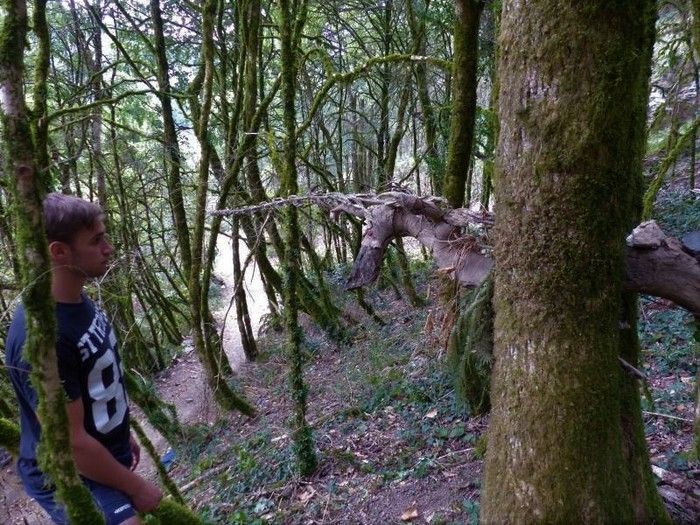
x=409, y=514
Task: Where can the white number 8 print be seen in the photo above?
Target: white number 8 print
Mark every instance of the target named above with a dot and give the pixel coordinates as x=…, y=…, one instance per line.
x=101, y=394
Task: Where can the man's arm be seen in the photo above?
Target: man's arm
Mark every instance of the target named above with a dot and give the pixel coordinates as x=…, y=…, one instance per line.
x=95, y=462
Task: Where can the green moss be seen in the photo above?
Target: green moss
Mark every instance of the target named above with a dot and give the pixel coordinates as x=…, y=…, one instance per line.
x=170, y=512
x=9, y=436
x=480, y=447
x=471, y=348
x=162, y=473
x=574, y=80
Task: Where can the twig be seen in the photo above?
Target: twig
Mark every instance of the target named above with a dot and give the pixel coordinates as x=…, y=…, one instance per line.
x=668, y=416
x=208, y=474
x=633, y=371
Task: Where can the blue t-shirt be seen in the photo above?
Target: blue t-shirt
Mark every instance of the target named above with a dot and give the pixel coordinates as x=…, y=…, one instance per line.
x=89, y=368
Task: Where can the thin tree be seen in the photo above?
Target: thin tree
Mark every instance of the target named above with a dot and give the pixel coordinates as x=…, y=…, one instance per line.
x=464, y=82
x=302, y=435
x=54, y=452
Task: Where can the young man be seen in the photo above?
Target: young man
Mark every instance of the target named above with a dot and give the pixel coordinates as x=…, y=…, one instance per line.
x=105, y=453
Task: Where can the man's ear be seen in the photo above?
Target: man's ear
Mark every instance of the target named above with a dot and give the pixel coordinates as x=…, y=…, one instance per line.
x=58, y=251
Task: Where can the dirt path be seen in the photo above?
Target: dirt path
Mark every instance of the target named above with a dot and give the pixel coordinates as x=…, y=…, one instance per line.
x=183, y=385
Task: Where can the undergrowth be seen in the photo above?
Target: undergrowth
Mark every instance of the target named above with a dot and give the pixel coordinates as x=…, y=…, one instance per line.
x=670, y=352
x=385, y=422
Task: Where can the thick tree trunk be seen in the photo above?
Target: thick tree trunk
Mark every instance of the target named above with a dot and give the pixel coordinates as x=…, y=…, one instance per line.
x=572, y=108
x=466, y=54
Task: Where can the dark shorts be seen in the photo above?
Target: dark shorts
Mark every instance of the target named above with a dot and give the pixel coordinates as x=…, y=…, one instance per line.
x=115, y=505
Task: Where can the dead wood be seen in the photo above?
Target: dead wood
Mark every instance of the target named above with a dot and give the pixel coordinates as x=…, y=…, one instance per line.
x=655, y=264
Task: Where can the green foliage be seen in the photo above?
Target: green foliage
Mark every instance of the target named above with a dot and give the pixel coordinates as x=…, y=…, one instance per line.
x=9, y=436
x=666, y=336
x=471, y=348
x=472, y=508
x=678, y=212
x=170, y=512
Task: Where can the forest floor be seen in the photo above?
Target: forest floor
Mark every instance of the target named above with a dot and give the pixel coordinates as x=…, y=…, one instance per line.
x=394, y=445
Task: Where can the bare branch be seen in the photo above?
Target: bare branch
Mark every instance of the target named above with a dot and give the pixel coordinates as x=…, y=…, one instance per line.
x=655, y=264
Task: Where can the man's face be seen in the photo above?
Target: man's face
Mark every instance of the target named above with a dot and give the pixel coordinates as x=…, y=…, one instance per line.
x=89, y=251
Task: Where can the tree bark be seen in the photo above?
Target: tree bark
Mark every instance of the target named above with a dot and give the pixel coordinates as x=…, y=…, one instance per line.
x=26, y=188
x=172, y=148
x=574, y=85
x=464, y=81
x=301, y=432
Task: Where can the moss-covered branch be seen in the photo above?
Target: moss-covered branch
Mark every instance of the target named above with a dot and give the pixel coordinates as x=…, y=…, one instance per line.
x=681, y=145
x=54, y=451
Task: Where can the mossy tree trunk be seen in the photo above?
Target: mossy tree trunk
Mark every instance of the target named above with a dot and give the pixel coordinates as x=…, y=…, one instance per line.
x=464, y=82
x=696, y=28
x=250, y=35
x=417, y=27
x=302, y=435
x=491, y=30
x=95, y=64
x=20, y=152
x=564, y=441
x=170, y=142
x=211, y=356
x=384, y=84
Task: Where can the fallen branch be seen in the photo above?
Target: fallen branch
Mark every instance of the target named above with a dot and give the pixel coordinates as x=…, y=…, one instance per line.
x=655, y=264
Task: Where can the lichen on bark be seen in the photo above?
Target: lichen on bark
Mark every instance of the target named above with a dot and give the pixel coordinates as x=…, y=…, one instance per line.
x=54, y=450
x=573, y=91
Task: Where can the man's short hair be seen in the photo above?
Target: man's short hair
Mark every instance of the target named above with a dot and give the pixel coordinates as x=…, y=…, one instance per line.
x=65, y=216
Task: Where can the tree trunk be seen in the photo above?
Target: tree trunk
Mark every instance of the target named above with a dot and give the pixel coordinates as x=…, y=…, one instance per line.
x=464, y=81
x=26, y=186
x=172, y=148
x=209, y=351
x=574, y=86
x=432, y=158
x=301, y=432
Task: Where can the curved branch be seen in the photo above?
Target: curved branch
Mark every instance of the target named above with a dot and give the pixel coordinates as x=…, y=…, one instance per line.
x=655, y=264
